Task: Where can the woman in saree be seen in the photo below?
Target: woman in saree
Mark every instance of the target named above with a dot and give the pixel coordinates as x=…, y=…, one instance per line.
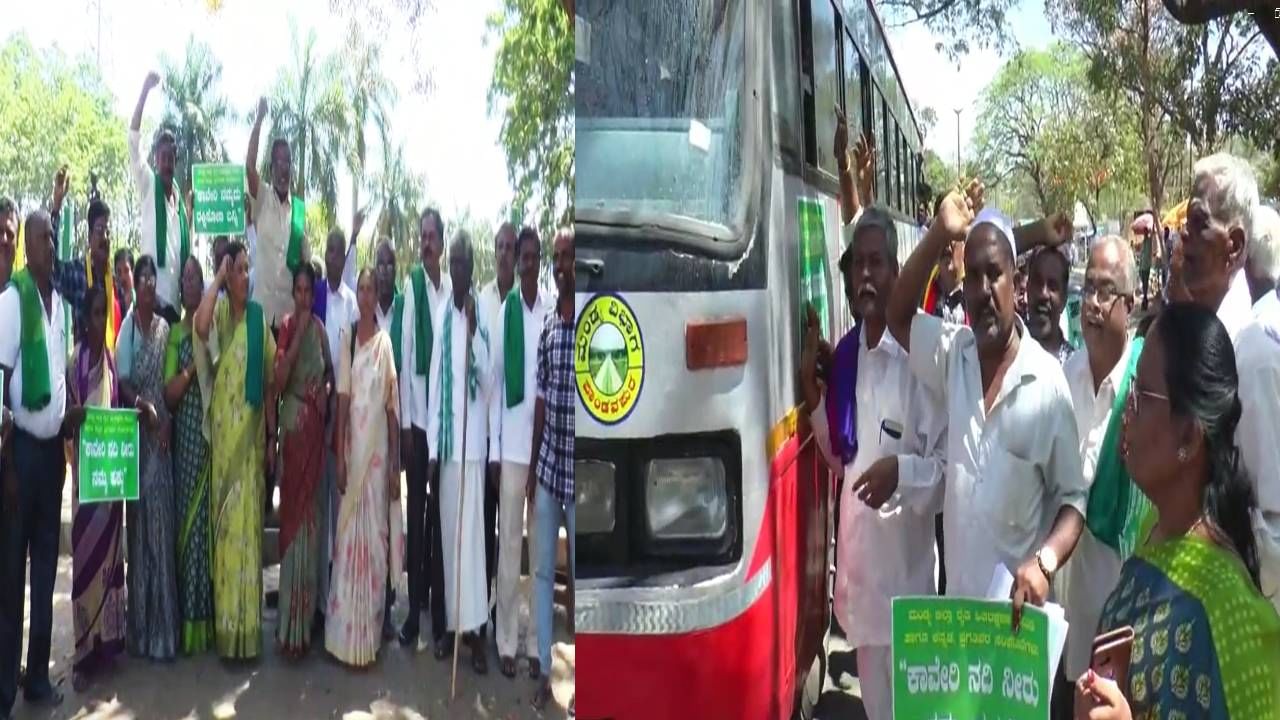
x=1206, y=642
x=368, y=452
x=185, y=398
x=242, y=424
x=97, y=529
x=149, y=520
x=303, y=373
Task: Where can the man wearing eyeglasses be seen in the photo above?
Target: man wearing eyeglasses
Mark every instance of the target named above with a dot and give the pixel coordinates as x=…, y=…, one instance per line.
x=1099, y=380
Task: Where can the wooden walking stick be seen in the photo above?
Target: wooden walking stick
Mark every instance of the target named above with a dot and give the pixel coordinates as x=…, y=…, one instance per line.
x=457, y=553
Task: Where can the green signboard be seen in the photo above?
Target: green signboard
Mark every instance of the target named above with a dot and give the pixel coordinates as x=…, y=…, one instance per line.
x=108, y=455
x=957, y=658
x=813, y=260
x=219, y=199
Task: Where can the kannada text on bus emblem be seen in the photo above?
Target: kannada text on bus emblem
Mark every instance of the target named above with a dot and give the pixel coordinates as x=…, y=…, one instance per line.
x=608, y=358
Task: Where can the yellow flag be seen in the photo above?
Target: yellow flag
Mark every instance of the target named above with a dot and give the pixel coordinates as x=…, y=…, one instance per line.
x=19, y=251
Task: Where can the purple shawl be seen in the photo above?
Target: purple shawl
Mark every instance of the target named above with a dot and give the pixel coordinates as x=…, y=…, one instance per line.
x=842, y=384
x=82, y=369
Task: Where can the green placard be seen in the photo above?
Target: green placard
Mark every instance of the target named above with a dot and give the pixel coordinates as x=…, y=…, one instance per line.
x=108, y=455
x=219, y=199
x=813, y=260
x=956, y=658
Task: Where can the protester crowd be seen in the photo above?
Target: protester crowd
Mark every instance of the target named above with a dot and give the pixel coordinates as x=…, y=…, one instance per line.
x=1135, y=480
x=327, y=383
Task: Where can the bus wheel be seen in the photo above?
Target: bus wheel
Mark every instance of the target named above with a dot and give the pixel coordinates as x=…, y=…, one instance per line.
x=812, y=688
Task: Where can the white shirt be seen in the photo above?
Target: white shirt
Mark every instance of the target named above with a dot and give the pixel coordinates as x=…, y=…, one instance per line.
x=1009, y=471
x=1258, y=365
x=384, y=318
x=273, y=219
x=1091, y=573
x=167, y=285
x=413, y=387
x=477, y=407
x=1236, y=309
x=340, y=313
x=511, y=429
x=46, y=422
x=888, y=552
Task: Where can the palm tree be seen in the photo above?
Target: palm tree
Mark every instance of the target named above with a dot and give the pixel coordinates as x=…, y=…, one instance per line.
x=398, y=192
x=370, y=96
x=308, y=108
x=195, y=110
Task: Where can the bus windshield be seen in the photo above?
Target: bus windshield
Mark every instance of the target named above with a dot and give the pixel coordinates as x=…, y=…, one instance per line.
x=658, y=91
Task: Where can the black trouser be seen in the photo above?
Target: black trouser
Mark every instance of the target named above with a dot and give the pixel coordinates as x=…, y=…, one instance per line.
x=435, y=561
x=490, y=531
x=426, y=569
x=30, y=526
x=942, y=554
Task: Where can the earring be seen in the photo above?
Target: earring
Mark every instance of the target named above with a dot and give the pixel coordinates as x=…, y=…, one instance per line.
x=1182, y=455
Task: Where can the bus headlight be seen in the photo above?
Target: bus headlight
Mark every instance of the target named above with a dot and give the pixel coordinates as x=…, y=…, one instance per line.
x=686, y=498
x=594, y=490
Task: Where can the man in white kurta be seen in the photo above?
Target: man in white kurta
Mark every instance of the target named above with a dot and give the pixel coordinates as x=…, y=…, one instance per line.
x=457, y=424
x=511, y=435
x=1089, y=577
x=168, y=263
x=1224, y=198
x=887, y=550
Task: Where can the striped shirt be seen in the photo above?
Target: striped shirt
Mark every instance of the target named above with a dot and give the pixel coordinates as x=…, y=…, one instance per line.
x=555, y=389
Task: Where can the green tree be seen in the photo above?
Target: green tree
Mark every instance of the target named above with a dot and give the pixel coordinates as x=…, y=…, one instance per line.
x=1040, y=121
x=1202, y=82
x=533, y=85
x=371, y=97
x=309, y=109
x=1198, y=12
x=937, y=174
x=398, y=192
x=58, y=111
x=195, y=110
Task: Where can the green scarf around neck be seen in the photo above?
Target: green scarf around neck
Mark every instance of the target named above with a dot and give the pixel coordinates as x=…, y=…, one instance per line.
x=513, y=347
x=471, y=381
x=297, y=229
x=1116, y=507
x=253, y=372
x=162, y=227
x=422, y=336
x=397, y=328
x=36, y=391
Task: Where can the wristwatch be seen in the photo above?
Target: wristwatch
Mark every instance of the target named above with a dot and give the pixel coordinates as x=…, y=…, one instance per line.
x=1047, y=559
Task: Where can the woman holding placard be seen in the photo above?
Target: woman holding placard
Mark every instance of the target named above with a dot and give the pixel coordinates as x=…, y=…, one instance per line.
x=97, y=529
x=151, y=530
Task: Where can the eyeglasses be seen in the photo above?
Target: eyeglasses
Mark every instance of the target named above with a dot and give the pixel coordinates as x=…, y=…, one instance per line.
x=1102, y=293
x=1133, y=403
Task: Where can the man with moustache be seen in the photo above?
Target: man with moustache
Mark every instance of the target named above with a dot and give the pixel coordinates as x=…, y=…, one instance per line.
x=1047, y=279
x=1100, y=379
x=1220, y=222
x=878, y=426
x=1014, y=492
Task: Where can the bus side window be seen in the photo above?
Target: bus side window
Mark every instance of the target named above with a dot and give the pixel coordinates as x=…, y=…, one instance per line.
x=822, y=35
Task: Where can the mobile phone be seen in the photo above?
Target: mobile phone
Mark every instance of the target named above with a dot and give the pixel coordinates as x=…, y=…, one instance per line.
x=1111, y=653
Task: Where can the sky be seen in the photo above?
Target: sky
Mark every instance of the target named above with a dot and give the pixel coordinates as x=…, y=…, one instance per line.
x=932, y=80
x=449, y=137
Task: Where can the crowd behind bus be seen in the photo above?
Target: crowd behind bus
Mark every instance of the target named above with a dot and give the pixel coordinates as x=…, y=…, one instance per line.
x=309, y=374
x=1133, y=479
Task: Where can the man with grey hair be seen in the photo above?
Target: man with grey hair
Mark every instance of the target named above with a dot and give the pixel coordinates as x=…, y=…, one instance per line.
x=879, y=426
x=1262, y=261
x=457, y=446
x=1099, y=380
x=1223, y=196
x=1258, y=366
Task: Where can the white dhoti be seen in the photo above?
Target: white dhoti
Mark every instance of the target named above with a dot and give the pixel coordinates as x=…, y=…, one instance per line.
x=511, y=503
x=474, y=599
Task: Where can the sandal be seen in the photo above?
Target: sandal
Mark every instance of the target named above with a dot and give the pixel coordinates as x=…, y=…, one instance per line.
x=479, y=657
x=507, y=666
x=542, y=696
x=535, y=669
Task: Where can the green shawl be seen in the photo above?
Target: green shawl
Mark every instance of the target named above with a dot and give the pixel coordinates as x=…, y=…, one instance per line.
x=513, y=347
x=162, y=227
x=36, y=391
x=444, y=437
x=1116, y=507
x=254, y=327
x=397, y=328
x=297, y=228
x=422, y=335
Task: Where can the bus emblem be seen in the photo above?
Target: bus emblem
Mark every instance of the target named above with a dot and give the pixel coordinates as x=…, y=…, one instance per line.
x=608, y=358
